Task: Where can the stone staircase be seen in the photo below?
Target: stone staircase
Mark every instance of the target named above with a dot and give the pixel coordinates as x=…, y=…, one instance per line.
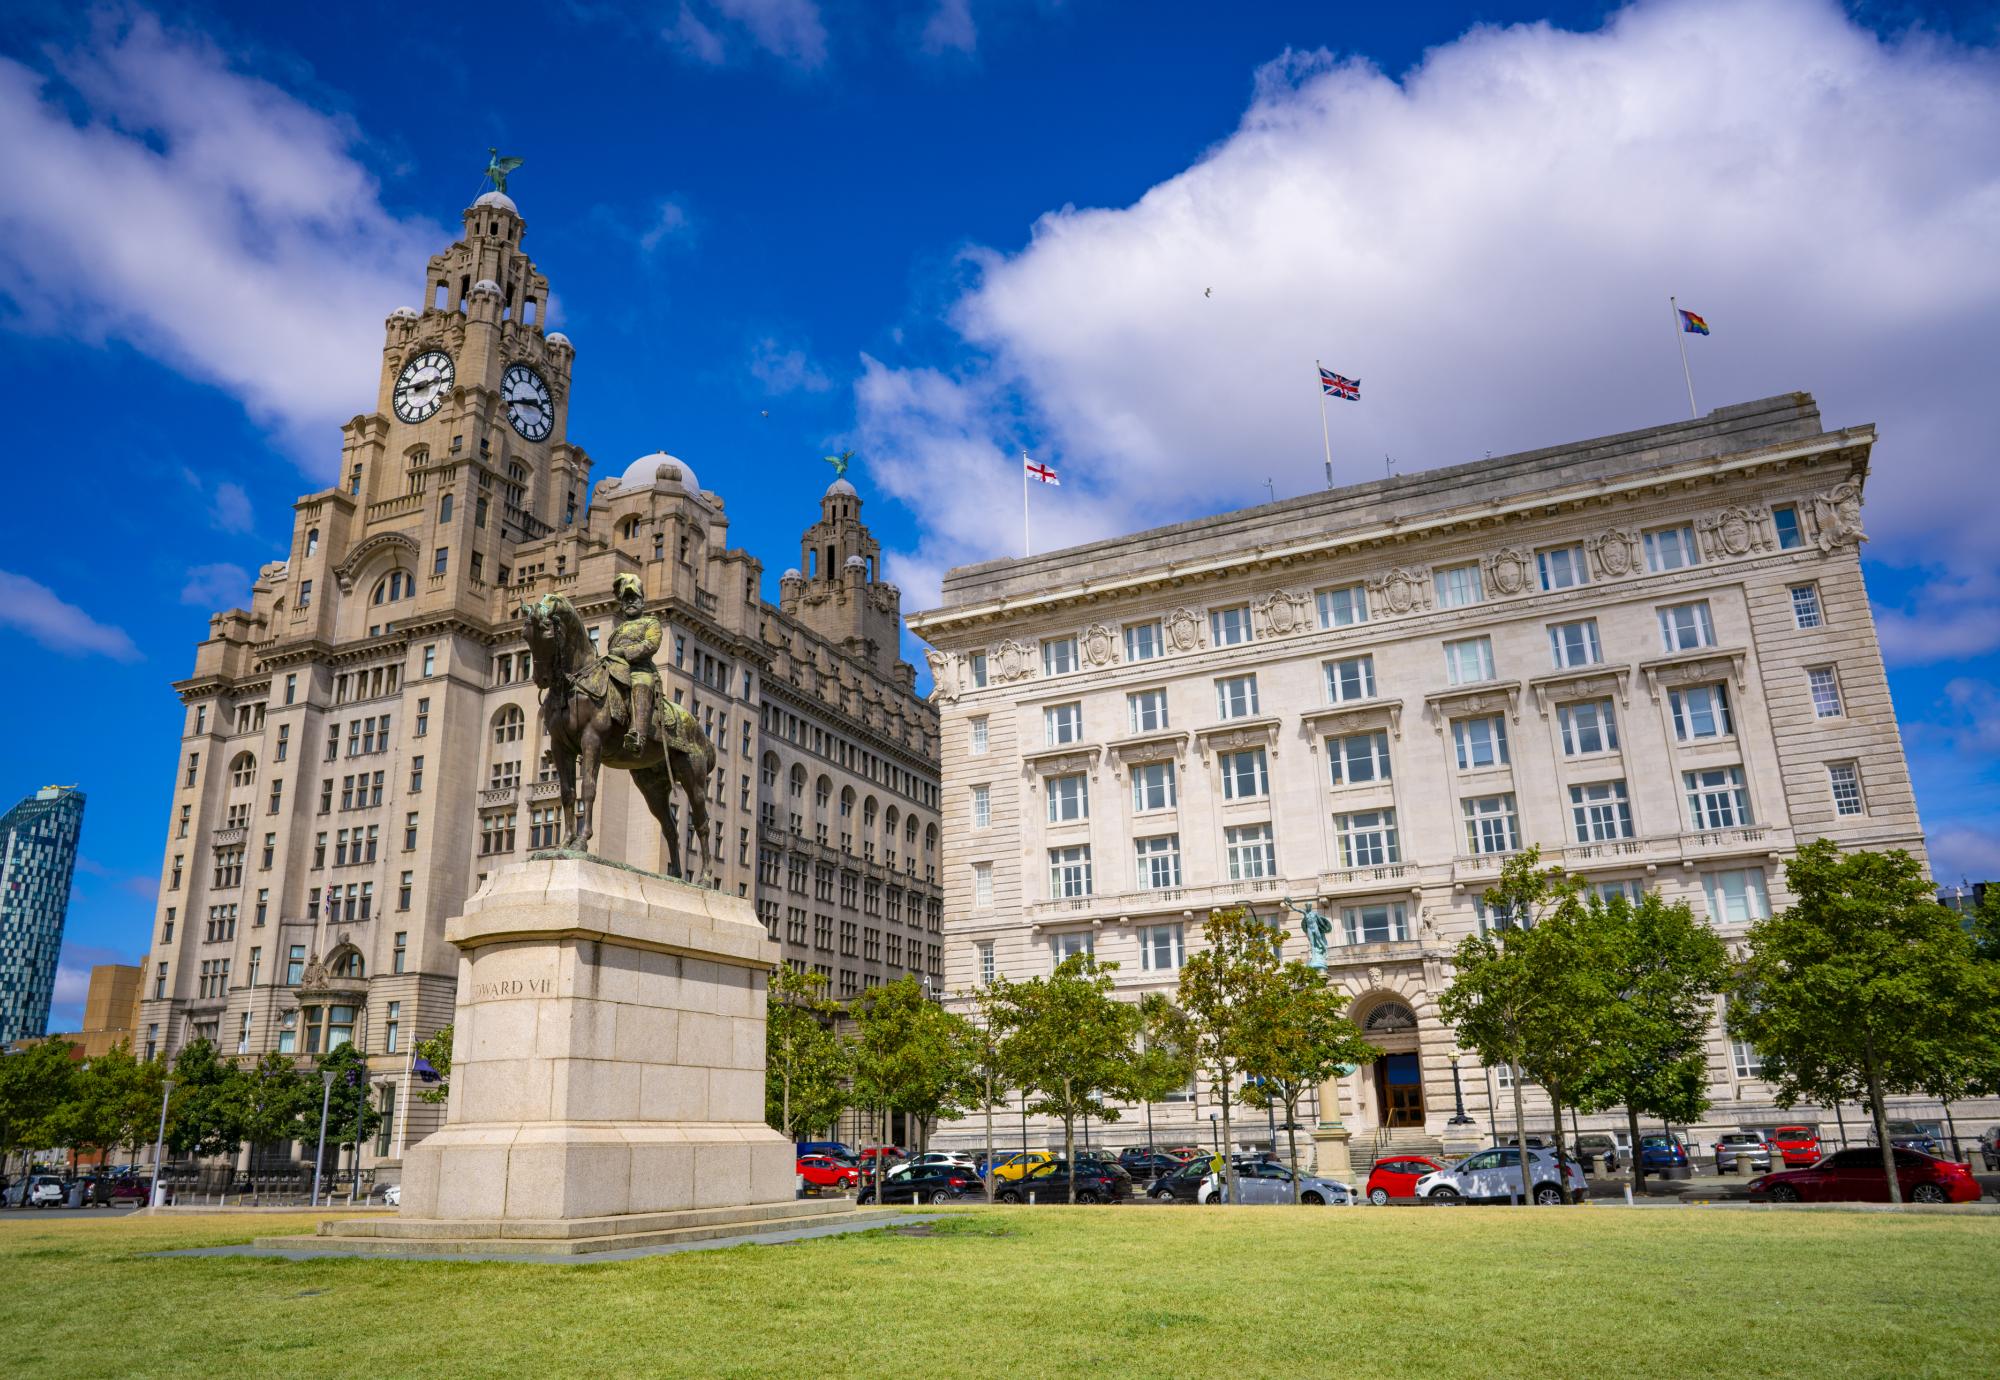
x=1392, y=1142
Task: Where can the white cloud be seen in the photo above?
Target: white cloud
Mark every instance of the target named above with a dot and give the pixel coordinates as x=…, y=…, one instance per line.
x=950, y=28
x=231, y=511
x=669, y=224
x=1964, y=853
x=1950, y=617
x=30, y=607
x=1488, y=243
x=217, y=586
x=712, y=31
x=781, y=370
x=203, y=215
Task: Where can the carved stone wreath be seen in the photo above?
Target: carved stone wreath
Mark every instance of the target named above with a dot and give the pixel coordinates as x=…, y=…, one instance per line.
x=1403, y=590
x=1284, y=612
x=1510, y=570
x=1183, y=630
x=1011, y=660
x=1615, y=553
x=1735, y=531
x=1098, y=645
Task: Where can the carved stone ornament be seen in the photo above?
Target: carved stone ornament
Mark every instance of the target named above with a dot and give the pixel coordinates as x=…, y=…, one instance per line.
x=1723, y=665
x=1098, y=645
x=1284, y=612
x=944, y=676
x=1735, y=531
x=1838, y=516
x=1403, y=590
x=1183, y=630
x=1510, y=570
x=1011, y=660
x=1614, y=553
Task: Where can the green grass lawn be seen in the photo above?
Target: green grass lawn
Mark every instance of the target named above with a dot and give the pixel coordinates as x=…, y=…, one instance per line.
x=1049, y=1291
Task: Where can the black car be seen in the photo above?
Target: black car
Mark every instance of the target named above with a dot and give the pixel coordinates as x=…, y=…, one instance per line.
x=1147, y=1164
x=1914, y=1135
x=1097, y=1181
x=925, y=1183
x=1185, y=1181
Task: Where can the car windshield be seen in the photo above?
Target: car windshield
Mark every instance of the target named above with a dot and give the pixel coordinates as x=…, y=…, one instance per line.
x=1792, y=1133
x=1660, y=1141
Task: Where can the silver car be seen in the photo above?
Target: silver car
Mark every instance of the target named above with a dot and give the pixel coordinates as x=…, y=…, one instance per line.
x=1265, y=1182
x=1734, y=1146
x=1494, y=1175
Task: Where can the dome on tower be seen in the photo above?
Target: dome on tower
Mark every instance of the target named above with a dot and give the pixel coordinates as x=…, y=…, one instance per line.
x=648, y=470
x=485, y=285
x=855, y=563
x=403, y=314
x=791, y=573
x=558, y=338
x=841, y=488
x=499, y=199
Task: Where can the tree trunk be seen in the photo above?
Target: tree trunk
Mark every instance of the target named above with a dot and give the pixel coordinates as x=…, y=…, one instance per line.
x=1562, y=1174
x=986, y=1165
x=1069, y=1139
x=1638, y=1160
x=1292, y=1143
x=1881, y=1117
x=1520, y=1129
x=1228, y=1145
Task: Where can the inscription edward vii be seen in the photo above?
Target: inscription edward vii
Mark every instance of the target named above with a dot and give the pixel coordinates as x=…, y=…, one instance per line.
x=514, y=987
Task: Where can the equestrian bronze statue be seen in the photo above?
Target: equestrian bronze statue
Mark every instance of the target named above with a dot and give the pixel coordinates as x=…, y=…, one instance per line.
x=587, y=712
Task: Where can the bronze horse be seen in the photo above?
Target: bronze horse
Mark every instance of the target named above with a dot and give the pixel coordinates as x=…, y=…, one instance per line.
x=581, y=724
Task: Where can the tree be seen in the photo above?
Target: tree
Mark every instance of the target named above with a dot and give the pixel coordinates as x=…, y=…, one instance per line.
x=1219, y=990
x=275, y=1102
x=806, y=1064
x=112, y=1102
x=203, y=1115
x=1864, y=979
x=913, y=1056
x=1164, y=1063
x=994, y=1004
x=1069, y=1045
x=1297, y=1038
x=1660, y=969
x=436, y=1051
x=351, y=1115
x=34, y=1083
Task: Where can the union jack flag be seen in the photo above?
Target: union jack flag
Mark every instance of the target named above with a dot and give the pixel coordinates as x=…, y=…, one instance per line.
x=1337, y=387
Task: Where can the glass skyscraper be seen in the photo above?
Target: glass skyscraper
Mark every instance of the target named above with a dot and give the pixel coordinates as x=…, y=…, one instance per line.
x=37, y=857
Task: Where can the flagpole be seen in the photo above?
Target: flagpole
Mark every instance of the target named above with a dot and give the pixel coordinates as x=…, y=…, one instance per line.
x=1324, y=435
x=403, y=1112
x=1027, y=547
x=1680, y=339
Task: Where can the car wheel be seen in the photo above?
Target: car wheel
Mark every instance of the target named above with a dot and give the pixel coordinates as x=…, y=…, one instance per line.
x=1783, y=1193
x=1445, y=1193
x=940, y=1196
x=1548, y=1195
x=1927, y=1193
x=864, y=1197
x=1379, y=1197
x=1312, y=1199
x=1007, y=1195
x=1090, y=1195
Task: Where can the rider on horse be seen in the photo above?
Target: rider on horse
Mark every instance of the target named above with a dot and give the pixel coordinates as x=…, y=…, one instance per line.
x=630, y=659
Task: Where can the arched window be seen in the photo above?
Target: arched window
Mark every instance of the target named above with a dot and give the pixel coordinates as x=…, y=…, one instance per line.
x=798, y=781
x=889, y=823
x=312, y=541
x=444, y=510
x=397, y=584
x=768, y=771
x=349, y=965
x=847, y=802
x=509, y=724
x=910, y=832
x=631, y=529
x=1390, y=1017
x=930, y=838
x=868, y=813
x=243, y=771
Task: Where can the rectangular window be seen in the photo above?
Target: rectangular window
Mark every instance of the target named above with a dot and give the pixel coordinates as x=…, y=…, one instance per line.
x=1229, y=627
x=1142, y=641
x=982, y=807
x=1749, y=1063
x=1358, y=758
x=1161, y=948
x=1575, y=644
x=1063, y=723
x=1153, y=787
x=1343, y=607
x=1785, y=517
x=1481, y=742
x=1069, y=872
x=305, y=594
x=1457, y=585
x=1805, y=606
x=987, y=970
x=295, y=965
x=1157, y=862
x=1670, y=548
x=1561, y=567
x=1235, y=697
x=1717, y=798
x=423, y=717
x=1058, y=656
x=975, y=666
x=1068, y=946
x=1379, y=924
x=1588, y=726
x=291, y=687
x=439, y=559
x=982, y=884
x=1368, y=838
x=1601, y=812
x=1253, y=853
x=1468, y=660
x=977, y=725
x=430, y=659
x=1736, y=897
x=284, y=747
x=1069, y=798
x=1845, y=778
x=1825, y=691
x=1490, y=825
x=1245, y=775
x=393, y=1028
x=1351, y=678
x=1684, y=627
x=1148, y=710
x=1701, y=711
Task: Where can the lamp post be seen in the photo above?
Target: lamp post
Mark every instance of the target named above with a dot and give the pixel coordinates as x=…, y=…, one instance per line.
x=160, y=1145
x=1458, y=1095
x=360, y=1111
x=1215, y=1131
x=319, y=1158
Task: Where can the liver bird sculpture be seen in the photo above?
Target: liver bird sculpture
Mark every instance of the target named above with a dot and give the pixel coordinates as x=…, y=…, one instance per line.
x=497, y=169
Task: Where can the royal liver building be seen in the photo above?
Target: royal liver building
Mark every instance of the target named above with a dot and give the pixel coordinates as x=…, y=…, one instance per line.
x=361, y=746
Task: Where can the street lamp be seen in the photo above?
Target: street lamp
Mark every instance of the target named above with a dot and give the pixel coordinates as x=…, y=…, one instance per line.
x=319, y=1159
x=1215, y=1131
x=160, y=1144
x=1458, y=1095
x=360, y=1110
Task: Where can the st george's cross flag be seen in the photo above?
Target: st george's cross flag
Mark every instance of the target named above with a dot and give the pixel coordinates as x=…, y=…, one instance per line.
x=1334, y=386
x=1036, y=470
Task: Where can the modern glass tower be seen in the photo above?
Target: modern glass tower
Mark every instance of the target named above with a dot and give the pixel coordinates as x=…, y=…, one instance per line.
x=37, y=857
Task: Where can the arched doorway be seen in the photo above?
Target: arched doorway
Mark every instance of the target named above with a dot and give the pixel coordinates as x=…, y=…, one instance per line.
x=1391, y=1026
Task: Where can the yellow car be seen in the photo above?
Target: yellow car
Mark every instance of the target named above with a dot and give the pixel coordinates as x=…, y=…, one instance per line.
x=1020, y=1162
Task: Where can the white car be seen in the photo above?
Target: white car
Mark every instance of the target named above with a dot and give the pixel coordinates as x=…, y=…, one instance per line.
x=392, y=1196
x=1495, y=1176
x=957, y=1159
x=1264, y=1182
x=45, y=1190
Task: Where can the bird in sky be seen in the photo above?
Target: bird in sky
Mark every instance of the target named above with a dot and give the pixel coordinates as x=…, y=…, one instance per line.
x=1208, y=292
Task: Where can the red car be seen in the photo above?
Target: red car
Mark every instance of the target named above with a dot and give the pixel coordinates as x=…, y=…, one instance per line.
x=1855, y=1176
x=1397, y=1178
x=1797, y=1144
x=824, y=1171
x=886, y=1153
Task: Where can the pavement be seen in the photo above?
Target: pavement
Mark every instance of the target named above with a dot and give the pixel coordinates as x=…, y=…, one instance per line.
x=36, y=1214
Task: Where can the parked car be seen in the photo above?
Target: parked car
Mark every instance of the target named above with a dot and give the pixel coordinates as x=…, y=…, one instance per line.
x=1142, y=1163
x=1264, y=1182
x=1180, y=1184
x=924, y=1183
x=1096, y=1182
x=1989, y=1147
x=887, y=1154
x=1020, y=1162
x=1795, y=1144
x=1913, y=1135
x=1660, y=1153
x=1397, y=1178
x=45, y=1190
x=824, y=1171
x=1495, y=1175
x=1856, y=1176
x=964, y=1159
x=392, y=1196
x=1598, y=1147
x=839, y=1149
x=1731, y=1147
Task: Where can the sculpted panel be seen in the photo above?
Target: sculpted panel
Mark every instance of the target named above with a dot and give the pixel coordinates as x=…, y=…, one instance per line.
x=1510, y=570
x=1403, y=590
x=1183, y=630
x=1837, y=514
x=1613, y=553
x=1284, y=612
x=1098, y=645
x=1011, y=660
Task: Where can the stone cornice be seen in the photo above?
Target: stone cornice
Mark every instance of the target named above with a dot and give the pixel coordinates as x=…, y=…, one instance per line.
x=1238, y=733
x=1582, y=682
x=1692, y=668
x=1351, y=716
x=1484, y=697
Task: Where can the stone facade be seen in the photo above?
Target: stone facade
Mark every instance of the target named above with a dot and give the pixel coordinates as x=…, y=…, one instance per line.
x=362, y=747
x=1651, y=654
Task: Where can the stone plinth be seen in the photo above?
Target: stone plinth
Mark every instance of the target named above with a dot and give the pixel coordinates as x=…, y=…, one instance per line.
x=607, y=1055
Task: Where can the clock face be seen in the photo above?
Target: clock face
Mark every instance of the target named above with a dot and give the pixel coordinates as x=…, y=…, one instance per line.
x=421, y=387
x=527, y=399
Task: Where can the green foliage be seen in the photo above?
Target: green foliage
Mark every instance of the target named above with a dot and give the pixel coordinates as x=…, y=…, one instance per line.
x=113, y=1102
x=275, y=1101
x=203, y=1119
x=1218, y=994
x=913, y=1056
x=806, y=1064
x=34, y=1084
x=1297, y=1037
x=437, y=1050
x=350, y=1108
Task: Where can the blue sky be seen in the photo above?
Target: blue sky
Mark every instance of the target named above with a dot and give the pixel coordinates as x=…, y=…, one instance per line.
x=942, y=231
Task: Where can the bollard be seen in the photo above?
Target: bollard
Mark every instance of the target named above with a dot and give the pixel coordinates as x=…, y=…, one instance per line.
x=1628, y=1194
x=1031, y=1197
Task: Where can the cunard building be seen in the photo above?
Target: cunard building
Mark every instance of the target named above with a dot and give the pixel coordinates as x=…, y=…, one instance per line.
x=361, y=745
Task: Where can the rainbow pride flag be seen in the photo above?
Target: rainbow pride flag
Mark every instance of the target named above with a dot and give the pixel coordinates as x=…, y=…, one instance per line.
x=1691, y=323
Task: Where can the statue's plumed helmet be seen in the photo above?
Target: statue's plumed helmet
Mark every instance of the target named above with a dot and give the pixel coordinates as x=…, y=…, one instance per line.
x=627, y=584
